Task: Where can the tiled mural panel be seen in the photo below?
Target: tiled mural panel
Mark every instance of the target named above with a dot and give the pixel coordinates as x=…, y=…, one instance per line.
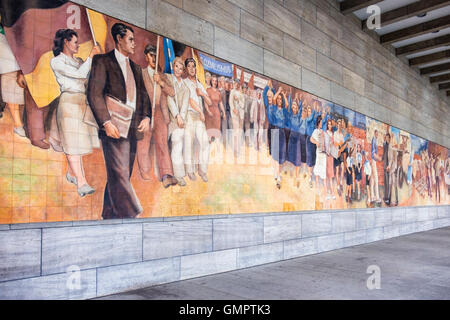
x=86, y=137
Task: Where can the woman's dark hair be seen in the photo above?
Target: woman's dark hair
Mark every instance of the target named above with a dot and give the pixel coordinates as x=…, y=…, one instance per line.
x=329, y=121
x=60, y=36
x=186, y=62
x=282, y=101
x=120, y=29
x=319, y=118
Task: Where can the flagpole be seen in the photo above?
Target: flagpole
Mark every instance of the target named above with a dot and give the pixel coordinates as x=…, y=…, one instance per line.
x=90, y=27
x=154, y=82
x=173, y=73
x=196, y=79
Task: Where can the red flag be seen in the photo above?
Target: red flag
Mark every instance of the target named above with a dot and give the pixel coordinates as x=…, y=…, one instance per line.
x=144, y=38
x=251, y=82
x=242, y=77
x=30, y=36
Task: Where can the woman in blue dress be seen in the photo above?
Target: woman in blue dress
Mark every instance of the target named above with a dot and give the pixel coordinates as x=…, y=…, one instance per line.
x=296, y=121
x=277, y=115
x=268, y=94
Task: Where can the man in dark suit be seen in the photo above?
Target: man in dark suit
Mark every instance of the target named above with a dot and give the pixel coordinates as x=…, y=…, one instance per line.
x=114, y=74
x=386, y=161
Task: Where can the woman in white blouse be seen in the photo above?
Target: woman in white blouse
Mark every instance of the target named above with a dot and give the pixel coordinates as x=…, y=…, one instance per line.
x=73, y=128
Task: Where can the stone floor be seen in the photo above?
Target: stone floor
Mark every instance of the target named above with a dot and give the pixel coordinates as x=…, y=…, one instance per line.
x=415, y=266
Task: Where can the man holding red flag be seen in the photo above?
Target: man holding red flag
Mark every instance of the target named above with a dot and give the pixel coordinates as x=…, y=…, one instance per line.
x=159, y=133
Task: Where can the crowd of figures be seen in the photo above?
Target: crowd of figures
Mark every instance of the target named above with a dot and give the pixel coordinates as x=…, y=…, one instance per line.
x=178, y=121
x=432, y=173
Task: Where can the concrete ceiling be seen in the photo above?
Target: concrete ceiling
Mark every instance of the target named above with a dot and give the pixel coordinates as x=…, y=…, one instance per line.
x=425, y=45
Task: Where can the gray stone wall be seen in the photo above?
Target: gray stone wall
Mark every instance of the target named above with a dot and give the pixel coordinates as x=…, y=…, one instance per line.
x=305, y=43
x=119, y=255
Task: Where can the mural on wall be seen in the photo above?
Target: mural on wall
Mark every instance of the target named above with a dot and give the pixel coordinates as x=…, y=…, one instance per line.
x=102, y=120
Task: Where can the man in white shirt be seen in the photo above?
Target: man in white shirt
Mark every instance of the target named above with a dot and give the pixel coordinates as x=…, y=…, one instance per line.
x=237, y=105
x=195, y=124
x=247, y=109
x=338, y=138
x=393, y=174
x=375, y=157
x=178, y=106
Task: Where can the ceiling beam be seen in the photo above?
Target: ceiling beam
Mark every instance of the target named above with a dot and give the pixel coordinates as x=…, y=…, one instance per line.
x=435, y=69
x=423, y=45
x=444, y=86
x=417, y=30
x=349, y=6
x=442, y=78
x=409, y=11
x=430, y=58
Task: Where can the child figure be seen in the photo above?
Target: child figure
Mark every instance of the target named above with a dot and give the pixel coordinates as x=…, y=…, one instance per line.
x=358, y=169
x=350, y=173
x=368, y=173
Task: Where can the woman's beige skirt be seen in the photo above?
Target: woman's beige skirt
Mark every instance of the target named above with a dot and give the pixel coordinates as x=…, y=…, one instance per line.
x=11, y=91
x=72, y=130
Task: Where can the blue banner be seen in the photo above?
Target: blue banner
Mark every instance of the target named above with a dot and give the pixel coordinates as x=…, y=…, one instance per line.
x=338, y=110
x=169, y=55
x=360, y=121
x=418, y=144
x=396, y=132
x=220, y=68
x=349, y=115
